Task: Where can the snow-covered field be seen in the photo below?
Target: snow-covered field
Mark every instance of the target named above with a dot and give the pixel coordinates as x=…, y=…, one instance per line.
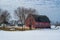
x=41, y=34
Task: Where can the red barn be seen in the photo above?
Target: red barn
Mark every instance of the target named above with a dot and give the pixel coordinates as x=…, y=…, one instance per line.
x=37, y=21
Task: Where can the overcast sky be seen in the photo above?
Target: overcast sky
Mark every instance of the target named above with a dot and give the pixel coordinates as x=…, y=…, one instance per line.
x=51, y=8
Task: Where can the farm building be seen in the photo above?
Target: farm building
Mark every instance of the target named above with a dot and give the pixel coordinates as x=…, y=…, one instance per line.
x=37, y=21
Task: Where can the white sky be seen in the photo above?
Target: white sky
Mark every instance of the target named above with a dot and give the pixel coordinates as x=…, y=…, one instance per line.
x=51, y=8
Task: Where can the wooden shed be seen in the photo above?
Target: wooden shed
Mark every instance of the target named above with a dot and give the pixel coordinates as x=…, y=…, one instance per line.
x=37, y=21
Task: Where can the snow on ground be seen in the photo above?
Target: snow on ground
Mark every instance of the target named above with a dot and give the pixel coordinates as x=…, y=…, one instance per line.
x=41, y=34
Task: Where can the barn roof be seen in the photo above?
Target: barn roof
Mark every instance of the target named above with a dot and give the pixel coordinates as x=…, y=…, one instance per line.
x=41, y=18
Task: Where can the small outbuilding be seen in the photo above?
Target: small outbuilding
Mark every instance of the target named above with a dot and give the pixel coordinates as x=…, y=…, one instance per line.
x=37, y=21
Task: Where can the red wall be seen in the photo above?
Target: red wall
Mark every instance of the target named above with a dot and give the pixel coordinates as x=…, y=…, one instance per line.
x=27, y=22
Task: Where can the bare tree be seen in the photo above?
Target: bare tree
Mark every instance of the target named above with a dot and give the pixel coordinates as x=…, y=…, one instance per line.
x=0, y=16
x=0, y=11
x=3, y=16
x=21, y=12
